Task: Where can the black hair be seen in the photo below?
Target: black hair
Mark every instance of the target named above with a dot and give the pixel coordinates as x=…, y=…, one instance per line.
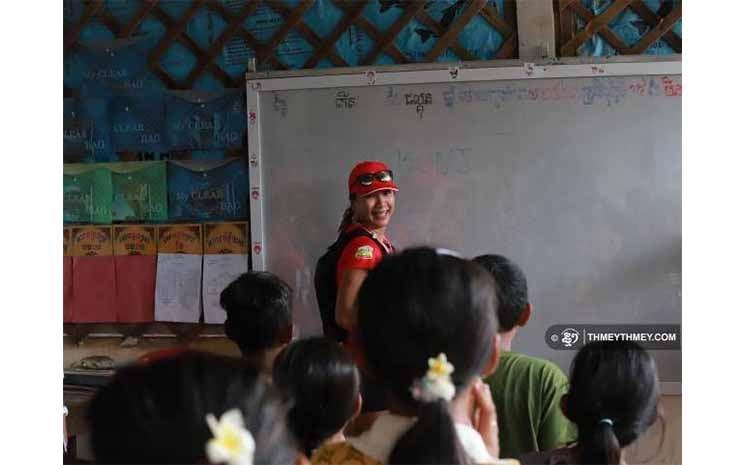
x=321, y=384
x=512, y=288
x=347, y=218
x=613, y=398
x=435, y=428
x=155, y=412
x=414, y=306
x=259, y=308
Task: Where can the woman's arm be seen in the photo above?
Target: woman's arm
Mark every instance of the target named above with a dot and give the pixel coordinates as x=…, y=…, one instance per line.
x=346, y=309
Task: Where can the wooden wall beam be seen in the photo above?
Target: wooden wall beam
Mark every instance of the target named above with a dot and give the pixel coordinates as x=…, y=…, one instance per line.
x=456, y=27
x=439, y=30
x=291, y=21
x=658, y=31
x=389, y=36
x=91, y=9
x=603, y=30
x=145, y=8
x=370, y=30
x=535, y=26
x=207, y=57
x=596, y=24
x=507, y=27
x=310, y=35
x=651, y=18
x=324, y=49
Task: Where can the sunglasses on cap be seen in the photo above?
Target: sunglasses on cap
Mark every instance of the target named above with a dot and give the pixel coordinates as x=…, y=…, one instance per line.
x=368, y=178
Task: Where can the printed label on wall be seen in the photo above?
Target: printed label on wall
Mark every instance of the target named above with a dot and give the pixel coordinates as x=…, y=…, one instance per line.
x=135, y=240
x=226, y=238
x=91, y=241
x=180, y=238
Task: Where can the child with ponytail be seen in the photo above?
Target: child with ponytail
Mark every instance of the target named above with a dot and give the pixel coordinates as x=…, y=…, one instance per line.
x=613, y=399
x=428, y=331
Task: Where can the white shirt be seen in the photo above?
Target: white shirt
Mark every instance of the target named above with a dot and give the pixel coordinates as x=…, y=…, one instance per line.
x=379, y=440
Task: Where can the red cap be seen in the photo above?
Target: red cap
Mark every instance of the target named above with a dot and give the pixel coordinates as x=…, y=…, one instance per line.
x=369, y=167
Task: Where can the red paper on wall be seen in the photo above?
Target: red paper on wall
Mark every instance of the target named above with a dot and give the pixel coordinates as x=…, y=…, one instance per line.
x=135, y=259
x=66, y=278
x=93, y=275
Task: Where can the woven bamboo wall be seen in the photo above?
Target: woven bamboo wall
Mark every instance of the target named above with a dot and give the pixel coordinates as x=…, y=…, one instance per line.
x=622, y=27
x=437, y=24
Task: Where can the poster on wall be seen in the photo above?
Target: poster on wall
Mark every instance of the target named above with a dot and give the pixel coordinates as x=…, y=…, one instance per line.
x=178, y=280
x=137, y=123
x=93, y=275
x=208, y=190
x=66, y=275
x=87, y=194
x=108, y=66
x=135, y=259
x=225, y=259
x=85, y=129
x=205, y=120
x=139, y=191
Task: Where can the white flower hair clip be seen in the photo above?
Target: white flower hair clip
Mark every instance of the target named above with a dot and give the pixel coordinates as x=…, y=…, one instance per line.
x=231, y=443
x=436, y=384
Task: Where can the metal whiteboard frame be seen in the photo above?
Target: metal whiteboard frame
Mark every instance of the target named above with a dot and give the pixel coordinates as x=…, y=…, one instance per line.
x=502, y=70
x=436, y=73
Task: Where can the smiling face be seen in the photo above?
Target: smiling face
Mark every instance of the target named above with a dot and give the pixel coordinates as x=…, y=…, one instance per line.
x=375, y=210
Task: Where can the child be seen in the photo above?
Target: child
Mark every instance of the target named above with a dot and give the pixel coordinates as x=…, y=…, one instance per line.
x=322, y=386
x=527, y=390
x=613, y=399
x=259, y=316
x=192, y=408
x=428, y=331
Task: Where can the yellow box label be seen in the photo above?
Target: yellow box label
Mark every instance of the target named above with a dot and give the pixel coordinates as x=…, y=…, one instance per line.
x=226, y=238
x=180, y=238
x=91, y=241
x=134, y=240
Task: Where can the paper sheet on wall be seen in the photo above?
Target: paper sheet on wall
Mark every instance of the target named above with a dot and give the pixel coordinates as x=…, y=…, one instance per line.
x=225, y=258
x=219, y=271
x=177, y=288
x=94, y=281
x=178, y=280
x=135, y=259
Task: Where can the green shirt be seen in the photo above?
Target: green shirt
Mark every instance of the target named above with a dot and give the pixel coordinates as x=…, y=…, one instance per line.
x=527, y=393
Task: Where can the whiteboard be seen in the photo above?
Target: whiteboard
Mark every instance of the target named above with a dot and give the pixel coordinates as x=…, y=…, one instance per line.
x=577, y=179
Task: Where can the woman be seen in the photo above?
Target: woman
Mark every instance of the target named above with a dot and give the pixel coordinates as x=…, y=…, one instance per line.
x=372, y=197
x=360, y=246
